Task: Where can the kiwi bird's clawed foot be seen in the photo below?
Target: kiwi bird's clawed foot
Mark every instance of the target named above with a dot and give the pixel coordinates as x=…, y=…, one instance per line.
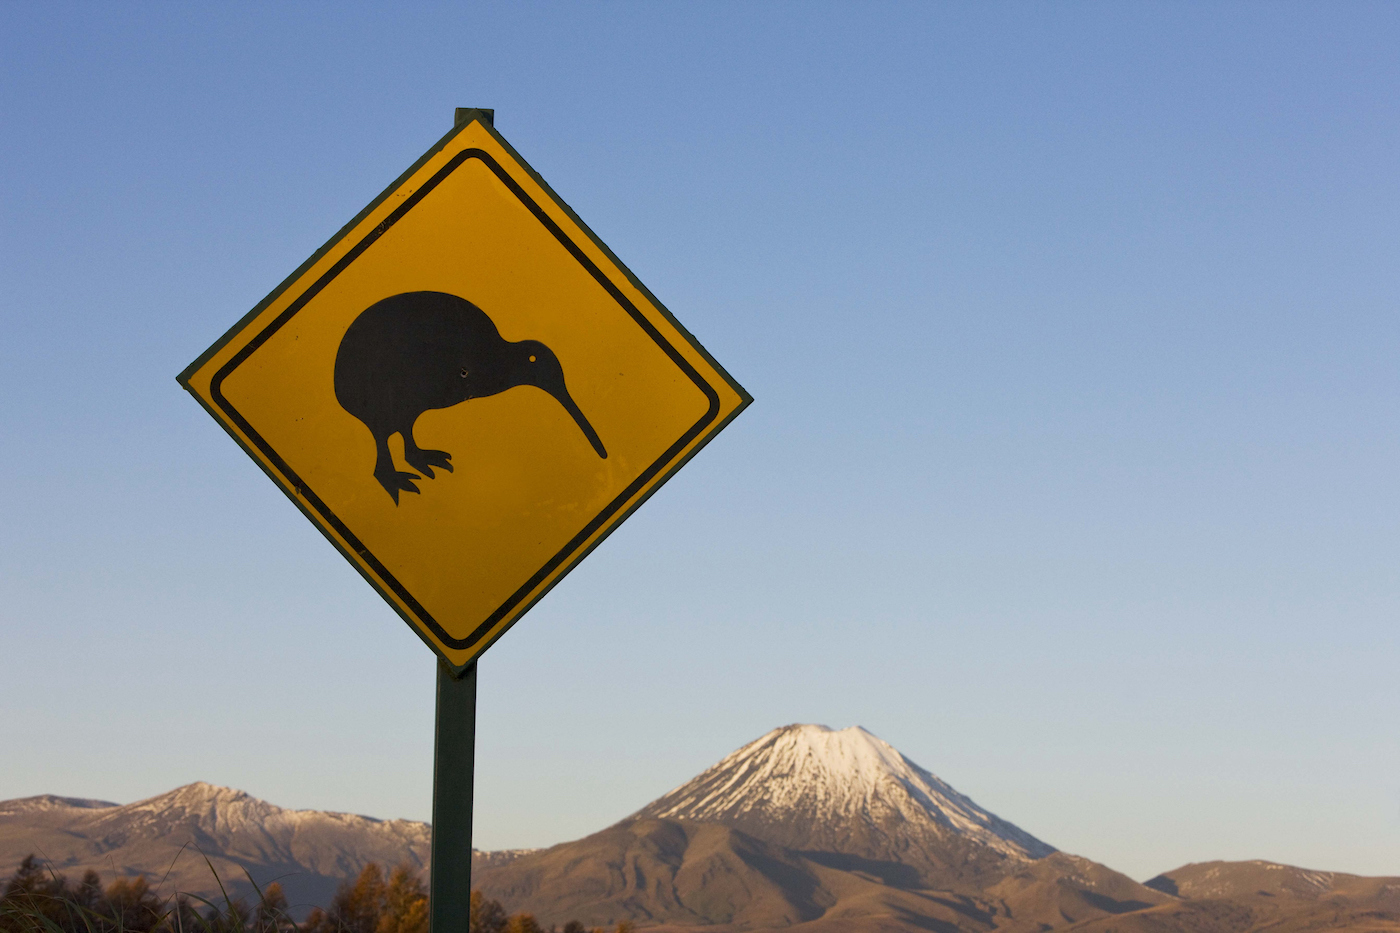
x=424, y=460
x=395, y=482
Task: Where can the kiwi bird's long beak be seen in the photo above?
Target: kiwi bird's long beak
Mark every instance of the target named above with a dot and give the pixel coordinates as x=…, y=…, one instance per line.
x=567, y=401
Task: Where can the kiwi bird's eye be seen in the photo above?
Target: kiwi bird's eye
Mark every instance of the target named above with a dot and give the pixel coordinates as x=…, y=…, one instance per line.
x=464, y=374
x=532, y=359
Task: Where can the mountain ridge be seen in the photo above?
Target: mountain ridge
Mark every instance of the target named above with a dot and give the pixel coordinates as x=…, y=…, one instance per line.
x=51, y=801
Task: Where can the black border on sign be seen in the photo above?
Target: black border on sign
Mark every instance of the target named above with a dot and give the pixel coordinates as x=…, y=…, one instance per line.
x=573, y=547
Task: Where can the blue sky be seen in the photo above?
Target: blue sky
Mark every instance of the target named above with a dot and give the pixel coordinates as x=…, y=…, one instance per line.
x=1071, y=472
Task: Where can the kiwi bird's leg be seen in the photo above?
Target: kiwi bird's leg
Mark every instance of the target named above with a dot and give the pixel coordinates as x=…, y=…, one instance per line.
x=423, y=460
x=391, y=479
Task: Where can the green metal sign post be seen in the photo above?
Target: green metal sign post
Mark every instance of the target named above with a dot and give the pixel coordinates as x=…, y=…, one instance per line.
x=454, y=758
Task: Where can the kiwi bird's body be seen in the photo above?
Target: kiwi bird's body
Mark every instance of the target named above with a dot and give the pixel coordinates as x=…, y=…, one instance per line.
x=420, y=351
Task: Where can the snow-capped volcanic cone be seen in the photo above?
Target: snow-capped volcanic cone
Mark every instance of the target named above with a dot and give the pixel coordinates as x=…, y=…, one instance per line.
x=817, y=790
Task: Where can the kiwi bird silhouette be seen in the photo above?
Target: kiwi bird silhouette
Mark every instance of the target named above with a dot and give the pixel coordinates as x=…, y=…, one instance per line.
x=421, y=351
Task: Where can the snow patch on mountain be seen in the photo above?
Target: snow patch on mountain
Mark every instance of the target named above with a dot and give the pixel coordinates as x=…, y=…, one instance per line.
x=236, y=820
x=46, y=802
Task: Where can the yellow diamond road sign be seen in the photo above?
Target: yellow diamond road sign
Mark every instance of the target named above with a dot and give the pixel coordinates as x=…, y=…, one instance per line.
x=465, y=390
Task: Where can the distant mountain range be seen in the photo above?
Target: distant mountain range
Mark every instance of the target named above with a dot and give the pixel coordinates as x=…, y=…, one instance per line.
x=168, y=838
x=806, y=829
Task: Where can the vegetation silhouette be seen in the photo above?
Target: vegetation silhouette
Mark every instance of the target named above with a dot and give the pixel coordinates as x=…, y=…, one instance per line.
x=36, y=899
